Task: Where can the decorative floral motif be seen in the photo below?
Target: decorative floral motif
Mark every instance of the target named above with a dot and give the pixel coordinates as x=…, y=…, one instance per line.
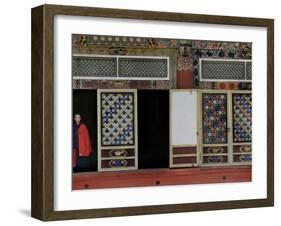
x=227, y=85
x=82, y=40
x=215, y=159
x=214, y=108
x=118, y=153
x=118, y=51
x=184, y=58
x=246, y=148
x=217, y=45
x=245, y=158
x=117, y=163
x=215, y=150
x=102, y=40
x=189, y=52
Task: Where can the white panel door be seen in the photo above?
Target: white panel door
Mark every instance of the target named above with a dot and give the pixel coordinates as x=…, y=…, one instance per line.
x=183, y=128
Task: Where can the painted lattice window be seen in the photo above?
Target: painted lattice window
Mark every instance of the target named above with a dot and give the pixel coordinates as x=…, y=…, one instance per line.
x=94, y=66
x=226, y=131
x=214, y=128
x=117, y=130
x=117, y=119
x=249, y=70
x=120, y=67
x=242, y=127
x=142, y=68
x=214, y=107
x=225, y=70
x=242, y=118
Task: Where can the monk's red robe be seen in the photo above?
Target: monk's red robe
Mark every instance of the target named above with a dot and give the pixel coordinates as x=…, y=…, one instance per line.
x=85, y=147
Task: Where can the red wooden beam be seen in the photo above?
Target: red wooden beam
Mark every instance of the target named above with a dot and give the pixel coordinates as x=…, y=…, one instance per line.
x=156, y=177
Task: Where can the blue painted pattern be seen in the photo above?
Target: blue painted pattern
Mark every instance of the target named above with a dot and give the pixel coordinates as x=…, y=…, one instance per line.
x=214, y=108
x=117, y=119
x=242, y=118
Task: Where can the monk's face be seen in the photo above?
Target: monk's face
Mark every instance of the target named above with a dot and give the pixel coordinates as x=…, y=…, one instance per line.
x=77, y=118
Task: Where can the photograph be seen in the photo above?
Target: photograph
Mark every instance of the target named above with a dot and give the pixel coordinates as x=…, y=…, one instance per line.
x=160, y=111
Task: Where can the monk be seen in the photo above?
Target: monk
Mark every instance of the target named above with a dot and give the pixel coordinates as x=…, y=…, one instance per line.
x=81, y=140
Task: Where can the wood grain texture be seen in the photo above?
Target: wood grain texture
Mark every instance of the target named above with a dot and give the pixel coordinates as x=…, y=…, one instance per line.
x=42, y=112
x=270, y=112
x=156, y=15
x=37, y=114
x=42, y=204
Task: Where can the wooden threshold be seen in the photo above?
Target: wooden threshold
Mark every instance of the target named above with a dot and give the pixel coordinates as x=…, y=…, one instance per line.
x=157, y=177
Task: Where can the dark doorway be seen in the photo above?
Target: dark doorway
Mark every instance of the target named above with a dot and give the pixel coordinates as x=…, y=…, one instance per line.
x=85, y=103
x=153, y=129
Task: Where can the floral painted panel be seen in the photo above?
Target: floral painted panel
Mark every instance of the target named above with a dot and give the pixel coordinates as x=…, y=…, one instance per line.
x=242, y=117
x=214, y=112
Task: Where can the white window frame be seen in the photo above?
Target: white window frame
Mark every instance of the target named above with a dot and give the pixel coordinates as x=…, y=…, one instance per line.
x=223, y=80
x=117, y=67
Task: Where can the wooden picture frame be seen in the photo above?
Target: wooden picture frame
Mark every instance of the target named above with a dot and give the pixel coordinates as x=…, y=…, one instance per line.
x=42, y=202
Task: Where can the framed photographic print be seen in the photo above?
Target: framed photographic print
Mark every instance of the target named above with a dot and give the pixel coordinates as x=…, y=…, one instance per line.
x=141, y=112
